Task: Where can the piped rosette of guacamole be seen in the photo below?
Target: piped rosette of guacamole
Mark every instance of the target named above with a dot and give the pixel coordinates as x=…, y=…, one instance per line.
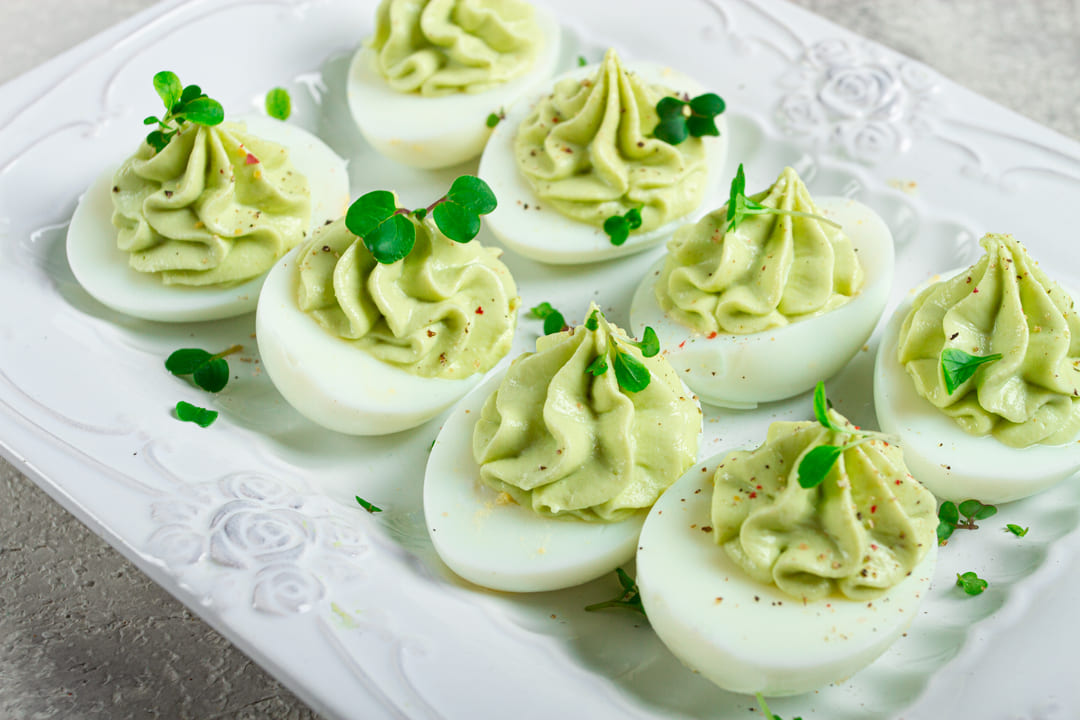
x=388, y=316
x=609, y=162
x=189, y=224
x=422, y=86
x=978, y=374
x=780, y=569
x=542, y=476
x=745, y=298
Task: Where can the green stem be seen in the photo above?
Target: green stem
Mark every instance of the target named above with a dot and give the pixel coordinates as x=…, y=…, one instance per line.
x=227, y=351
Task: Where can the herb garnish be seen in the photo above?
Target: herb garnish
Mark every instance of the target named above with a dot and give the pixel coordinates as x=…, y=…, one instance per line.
x=957, y=366
x=278, y=103
x=949, y=517
x=1017, y=530
x=680, y=118
x=553, y=319
x=817, y=463
x=387, y=232
x=971, y=583
x=581, y=61
x=630, y=599
x=210, y=372
x=193, y=413
x=630, y=373
x=764, y=707
x=618, y=227
x=368, y=506
x=740, y=206
x=495, y=118
x=182, y=104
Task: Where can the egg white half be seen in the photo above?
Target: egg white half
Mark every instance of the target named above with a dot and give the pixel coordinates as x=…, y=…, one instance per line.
x=527, y=226
x=437, y=132
x=103, y=270
x=743, y=635
x=740, y=371
x=949, y=462
x=332, y=382
x=491, y=541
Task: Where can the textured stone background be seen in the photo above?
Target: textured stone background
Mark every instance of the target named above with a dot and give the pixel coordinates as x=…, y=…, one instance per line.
x=83, y=634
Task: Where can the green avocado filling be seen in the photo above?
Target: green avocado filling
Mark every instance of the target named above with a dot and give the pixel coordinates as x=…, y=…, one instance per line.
x=588, y=151
x=771, y=270
x=441, y=47
x=447, y=310
x=1003, y=304
x=564, y=441
x=217, y=206
x=861, y=531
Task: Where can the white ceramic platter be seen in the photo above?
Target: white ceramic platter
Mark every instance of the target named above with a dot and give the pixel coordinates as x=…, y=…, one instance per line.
x=252, y=522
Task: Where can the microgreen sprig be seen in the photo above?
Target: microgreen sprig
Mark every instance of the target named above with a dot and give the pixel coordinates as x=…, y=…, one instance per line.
x=630, y=373
x=1016, y=530
x=740, y=207
x=208, y=371
x=182, y=104
x=387, y=232
x=618, y=227
x=949, y=517
x=278, y=103
x=202, y=417
x=817, y=463
x=629, y=599
x=581, y=61
x=368, y=506
x=495, y=118
x=764, y=707
x=553, y=319
x=971, y=583
x=957, y=366
x=679, y=119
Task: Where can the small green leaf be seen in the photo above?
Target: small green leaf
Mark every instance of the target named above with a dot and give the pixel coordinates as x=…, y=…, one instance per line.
x=617, y=229
x=158, y=140
x=593, y=321
x=701, y=126
x=633, y=218
x=204, y=111
x=975, y=510
x=630, y=599
x=554, y=323
x=456, y=222
x=472, y=193
x=707, y=105
x=817, y=463
x=542, y=310
x=150, y=120
x=670, y=107
x=944, y=532
x=738, y=189
x=192, y=413
x=191, y=92
x=821, y=408
x=369, y=211
x=392, y=240
x=186, y=361
x=492, y=120
x=212, y=376
x=650, y=344
x=948, y=513
x=1017, y=530
x=971, y=583
x=598, y=366
x=368, y=506
x=672, y=129
x=957, y=366
x=168, y=88
x=278, y=103
x=630, y=373
x=581, y=61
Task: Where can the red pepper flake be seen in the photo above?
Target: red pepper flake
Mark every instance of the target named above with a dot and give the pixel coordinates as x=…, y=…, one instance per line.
x=753, y=494
x=873, y=546
x=554, y=119
x=479, y=311
x=873, y=509
x=899, y=481
x=251, y=160
x=682, y=344
x=713, y=334
x=758, y=487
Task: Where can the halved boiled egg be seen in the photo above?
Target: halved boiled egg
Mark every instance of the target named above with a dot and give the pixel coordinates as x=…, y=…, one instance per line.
x=740, y=371
x=742, y=634
x=103, y=270
x=443, y=130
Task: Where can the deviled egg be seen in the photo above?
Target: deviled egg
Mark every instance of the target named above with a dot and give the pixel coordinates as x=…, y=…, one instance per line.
x=765, y=586
x=760, y=310
x=1011, y=427
x=541, y=477
x=421, y=89
x=567, y=161
x=187, y=232
x=367, y=348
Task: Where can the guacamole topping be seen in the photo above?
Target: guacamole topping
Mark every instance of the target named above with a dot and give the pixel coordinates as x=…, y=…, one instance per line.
x=860, y=532
x=217, y=206
x=588, y=151
x=565, y=442
x=1003, y=304
x=446, y=310
x=441, y=47
x=770, y=271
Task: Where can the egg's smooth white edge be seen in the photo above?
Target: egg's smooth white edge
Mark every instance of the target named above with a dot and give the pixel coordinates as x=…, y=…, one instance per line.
x=104, y=271
x=526, y=226
x=740, y=371
x=743, y=635
x=333, y=383
x=948, y=461
x=437, y=132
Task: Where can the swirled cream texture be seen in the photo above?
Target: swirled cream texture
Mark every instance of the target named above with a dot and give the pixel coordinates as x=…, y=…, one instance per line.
x=1003, y=304
x=441, y=47
x=771, y=270
x=217, y=206
x=588, y=151
x=564, y=442
x=861, y=531
x=447, y=310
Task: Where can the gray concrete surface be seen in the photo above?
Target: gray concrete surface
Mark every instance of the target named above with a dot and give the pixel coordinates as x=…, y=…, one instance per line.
x=84, y=635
